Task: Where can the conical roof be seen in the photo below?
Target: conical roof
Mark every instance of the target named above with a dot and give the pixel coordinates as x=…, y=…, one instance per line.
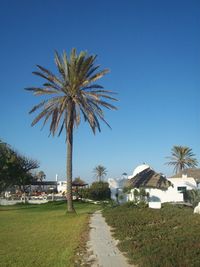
x=150, y=179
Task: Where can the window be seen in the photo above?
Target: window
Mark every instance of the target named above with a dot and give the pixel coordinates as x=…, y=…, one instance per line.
x=181, y=188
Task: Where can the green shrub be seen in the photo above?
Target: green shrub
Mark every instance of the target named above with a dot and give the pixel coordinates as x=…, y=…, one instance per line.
x=167, y=237
x=130, y=204
x=99, y=191
x=192, y=196
x=84, y=192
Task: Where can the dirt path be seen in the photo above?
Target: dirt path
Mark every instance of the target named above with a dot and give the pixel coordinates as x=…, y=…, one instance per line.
x=101, y=245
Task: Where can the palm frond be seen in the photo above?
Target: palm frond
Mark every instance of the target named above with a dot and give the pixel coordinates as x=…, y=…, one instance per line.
x=41, y=91
x=50, y=75
x=60, y=65
x=37, y=106
x=95, y=77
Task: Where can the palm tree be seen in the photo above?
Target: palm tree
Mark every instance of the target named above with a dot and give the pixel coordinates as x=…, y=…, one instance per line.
x=100, y=172
x=73, y=95
x=182, y=158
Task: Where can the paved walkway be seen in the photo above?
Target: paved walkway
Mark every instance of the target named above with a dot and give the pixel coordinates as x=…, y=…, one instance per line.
x=102, y=246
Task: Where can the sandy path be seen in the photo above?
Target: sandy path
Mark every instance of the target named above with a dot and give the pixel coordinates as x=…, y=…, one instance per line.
x=102, y=246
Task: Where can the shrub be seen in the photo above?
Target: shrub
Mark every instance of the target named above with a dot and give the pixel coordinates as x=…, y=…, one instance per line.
x=99, y=191
x=84, y=193
x=192, y=196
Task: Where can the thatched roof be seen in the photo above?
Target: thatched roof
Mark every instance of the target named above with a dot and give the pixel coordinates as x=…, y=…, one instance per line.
x=150, y=179
x=78, y=184
x=192, y=172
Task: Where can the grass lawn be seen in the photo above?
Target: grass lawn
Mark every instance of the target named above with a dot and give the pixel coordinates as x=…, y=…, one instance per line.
x=169, y=237
x=41, y=235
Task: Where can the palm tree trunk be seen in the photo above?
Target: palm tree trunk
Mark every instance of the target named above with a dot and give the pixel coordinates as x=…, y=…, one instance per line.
x=70, y=207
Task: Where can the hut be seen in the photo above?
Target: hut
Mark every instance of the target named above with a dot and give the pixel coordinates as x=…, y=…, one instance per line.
x=156, y=185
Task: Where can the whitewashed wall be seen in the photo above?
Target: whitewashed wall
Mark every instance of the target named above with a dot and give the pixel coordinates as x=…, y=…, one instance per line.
x=158, y=195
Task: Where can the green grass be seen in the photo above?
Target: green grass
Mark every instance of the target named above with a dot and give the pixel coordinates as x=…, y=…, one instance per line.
x=41, y=235
x=169, y=237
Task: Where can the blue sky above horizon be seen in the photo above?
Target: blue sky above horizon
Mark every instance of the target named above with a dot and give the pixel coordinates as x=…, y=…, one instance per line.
x=152, y=49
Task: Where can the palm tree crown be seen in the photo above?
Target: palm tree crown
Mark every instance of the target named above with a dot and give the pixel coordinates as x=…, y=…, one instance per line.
x=182, y=158
x=74, y=94
x=100, y=172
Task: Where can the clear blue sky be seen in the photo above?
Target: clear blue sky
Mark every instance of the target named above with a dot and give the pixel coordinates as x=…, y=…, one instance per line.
x=152, y=48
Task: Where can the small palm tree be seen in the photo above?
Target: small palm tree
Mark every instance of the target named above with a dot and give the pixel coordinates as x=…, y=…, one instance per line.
x=182, y=158
x=100, y=172
x=73, y=94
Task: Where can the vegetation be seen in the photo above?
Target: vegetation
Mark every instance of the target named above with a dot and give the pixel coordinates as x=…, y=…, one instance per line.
x=157, y=238
x=182, y=157
x=140, y=194
x=15, y=168
x=42, y=235
x=73, y=92
x=40, y=176
x=79, y=181
x=97, y=191
x=192, y=196
x=6, y=155
x=100, y=172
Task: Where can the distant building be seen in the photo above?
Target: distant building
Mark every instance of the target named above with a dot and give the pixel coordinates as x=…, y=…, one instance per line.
x=43, y=186
x=62, y=186
x=191, y=172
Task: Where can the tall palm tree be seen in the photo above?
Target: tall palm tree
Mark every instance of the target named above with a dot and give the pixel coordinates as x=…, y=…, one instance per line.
x=100, y=172
x=73, y=95
x=182, y=157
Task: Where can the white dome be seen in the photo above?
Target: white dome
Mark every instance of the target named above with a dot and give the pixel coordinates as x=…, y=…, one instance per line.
x=139, y=169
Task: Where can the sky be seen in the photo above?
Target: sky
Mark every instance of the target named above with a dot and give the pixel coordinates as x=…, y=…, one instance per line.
x=152, y=48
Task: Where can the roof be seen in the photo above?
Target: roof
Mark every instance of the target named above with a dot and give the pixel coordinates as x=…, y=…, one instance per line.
x=192, y=172
x=150, y=179
x=79, y=184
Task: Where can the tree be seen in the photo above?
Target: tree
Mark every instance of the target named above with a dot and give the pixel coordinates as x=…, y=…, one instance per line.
x=100, y=172
x=23, y=167
x=78, y=180
x=182, y=157
x=6, y=155
x=15, y=169
x=40, y=176
x=73, y=94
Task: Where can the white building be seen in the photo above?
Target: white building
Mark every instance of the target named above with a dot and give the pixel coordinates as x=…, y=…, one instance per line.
x=159, y=188
x=116, y=188
x=62, y=187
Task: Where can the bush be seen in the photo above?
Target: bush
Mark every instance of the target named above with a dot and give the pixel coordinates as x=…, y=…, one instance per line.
x=84, y=193
x=99, y=191
x=192, y=196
